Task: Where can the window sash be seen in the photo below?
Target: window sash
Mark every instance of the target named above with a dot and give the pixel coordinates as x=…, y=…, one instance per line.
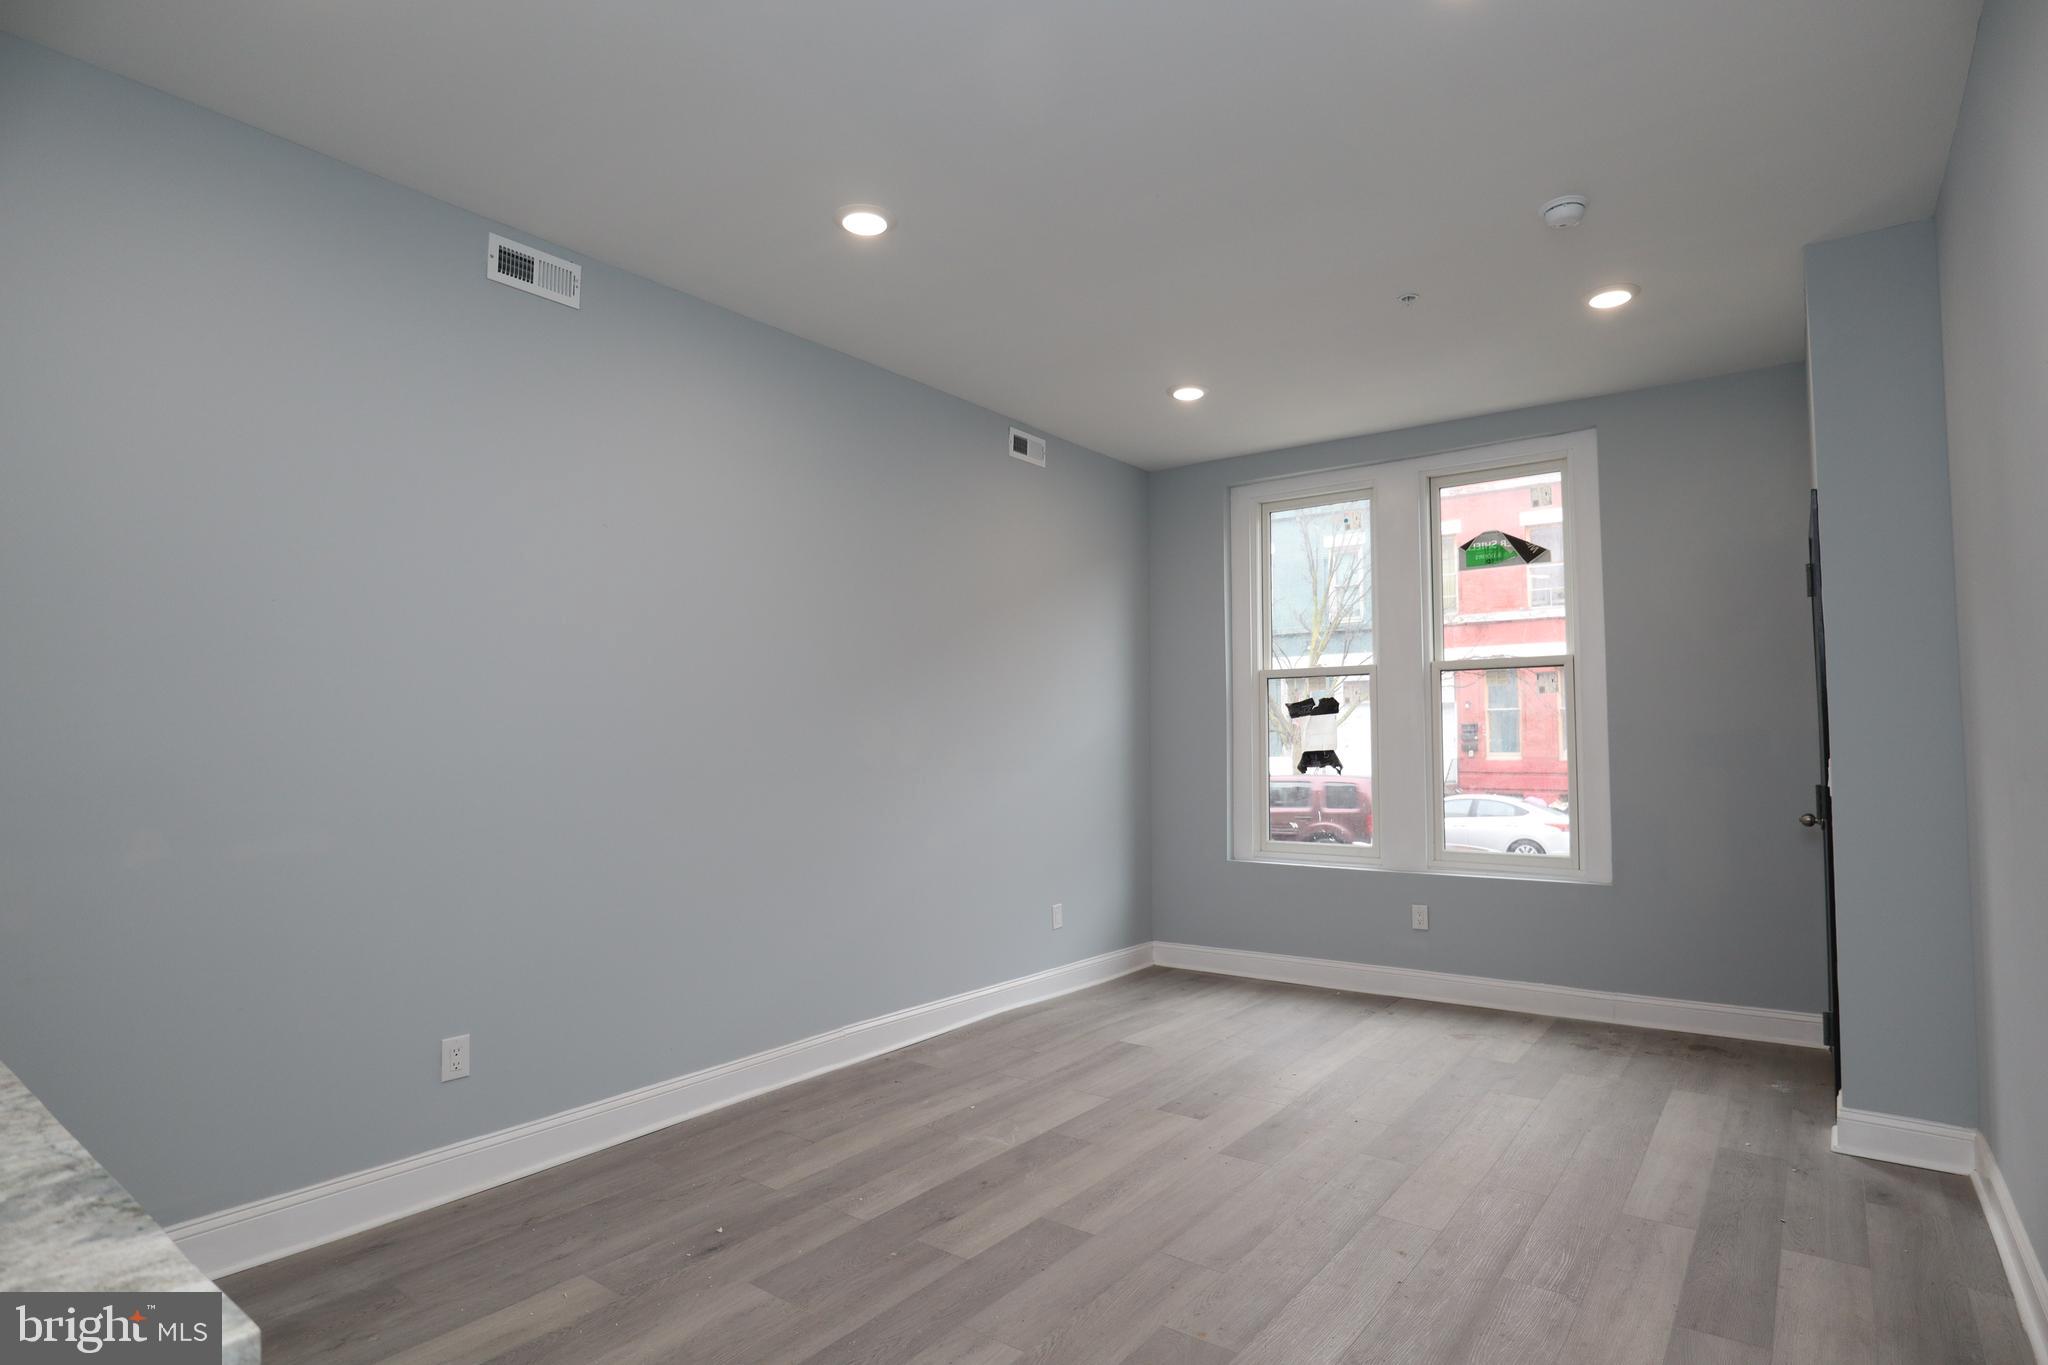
x=1565, y=532
x=1440, y=610
x=1443, y=857
x=1262, y=737
x=1264, y=672
x=1267, y=510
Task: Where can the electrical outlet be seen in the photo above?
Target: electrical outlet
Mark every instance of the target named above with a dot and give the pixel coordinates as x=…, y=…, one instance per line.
x=455, y=1057
x=1418, y=915
x=1059, y=915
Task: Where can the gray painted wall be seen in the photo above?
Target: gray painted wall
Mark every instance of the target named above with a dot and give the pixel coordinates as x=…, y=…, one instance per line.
x=1993, y=219
x=1902, y=883
x=390, y=654
x=1717, y=891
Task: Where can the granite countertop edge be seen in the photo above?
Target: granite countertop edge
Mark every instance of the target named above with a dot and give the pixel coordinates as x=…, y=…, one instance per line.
x=67, y=1225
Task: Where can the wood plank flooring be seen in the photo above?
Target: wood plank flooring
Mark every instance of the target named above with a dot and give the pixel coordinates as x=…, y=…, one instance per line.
x=1177, y=1169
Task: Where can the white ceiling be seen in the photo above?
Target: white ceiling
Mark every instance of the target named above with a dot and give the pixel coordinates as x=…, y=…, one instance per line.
x=1100, y=199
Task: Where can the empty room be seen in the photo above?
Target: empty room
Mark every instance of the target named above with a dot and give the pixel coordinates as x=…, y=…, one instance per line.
x=1118, y=683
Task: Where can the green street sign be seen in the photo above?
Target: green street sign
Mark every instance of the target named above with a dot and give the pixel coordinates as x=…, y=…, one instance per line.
x=1489, y=548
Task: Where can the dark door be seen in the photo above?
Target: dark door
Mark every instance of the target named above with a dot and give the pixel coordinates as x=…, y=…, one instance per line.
x=1822, y=816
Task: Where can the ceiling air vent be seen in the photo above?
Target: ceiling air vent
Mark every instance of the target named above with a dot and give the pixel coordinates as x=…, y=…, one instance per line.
x=1027, y=447
x=536, y=272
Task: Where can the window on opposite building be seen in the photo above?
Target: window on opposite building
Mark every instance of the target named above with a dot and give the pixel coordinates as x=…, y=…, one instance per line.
x=1503, y=713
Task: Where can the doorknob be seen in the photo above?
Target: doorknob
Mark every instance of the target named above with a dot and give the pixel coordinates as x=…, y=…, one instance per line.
x=1809, y=819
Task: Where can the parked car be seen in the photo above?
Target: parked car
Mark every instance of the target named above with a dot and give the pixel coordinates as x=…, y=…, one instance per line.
x=1318, y=808
x=1506, y=824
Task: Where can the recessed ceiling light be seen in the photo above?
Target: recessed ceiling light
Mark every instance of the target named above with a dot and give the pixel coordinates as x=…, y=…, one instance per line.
x=1188, y=393
x=1612, y=298
x=863, y=220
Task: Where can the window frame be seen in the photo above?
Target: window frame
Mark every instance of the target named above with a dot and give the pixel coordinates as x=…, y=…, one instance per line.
x=1513, y=664
x=1408, y=726
x=1263, y=671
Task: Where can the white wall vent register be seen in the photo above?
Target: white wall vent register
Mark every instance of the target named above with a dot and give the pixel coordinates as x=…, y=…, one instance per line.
x=536, y=272
x=1027, y=447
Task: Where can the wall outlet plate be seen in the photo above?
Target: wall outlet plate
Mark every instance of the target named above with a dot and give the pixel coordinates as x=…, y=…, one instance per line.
x=1418, y=916
x=1059, y=915
x=455, y=1057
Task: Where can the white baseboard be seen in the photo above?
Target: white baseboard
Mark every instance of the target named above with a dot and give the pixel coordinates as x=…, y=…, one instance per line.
x=1564, y=1002
x=235, y=1239
x=2015, y=1249
x=267, y=1229
x=1904, y=1141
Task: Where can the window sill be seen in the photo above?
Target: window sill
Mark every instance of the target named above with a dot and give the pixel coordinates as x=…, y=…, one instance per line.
x=1570, y=876
x=1368, y=859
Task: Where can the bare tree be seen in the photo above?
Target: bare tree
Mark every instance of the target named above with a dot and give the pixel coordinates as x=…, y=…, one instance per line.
x=1333, y=617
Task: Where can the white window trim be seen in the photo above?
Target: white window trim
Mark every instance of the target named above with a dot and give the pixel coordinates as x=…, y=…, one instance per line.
x=1407, y=720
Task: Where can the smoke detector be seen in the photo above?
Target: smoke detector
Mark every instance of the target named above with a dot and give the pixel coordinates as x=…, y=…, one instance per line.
x=1567, y=210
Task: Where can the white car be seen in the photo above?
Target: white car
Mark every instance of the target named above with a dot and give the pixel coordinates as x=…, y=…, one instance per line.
x=1506, y=824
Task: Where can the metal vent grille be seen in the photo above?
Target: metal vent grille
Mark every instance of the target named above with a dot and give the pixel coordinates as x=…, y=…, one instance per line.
x=516, y=264
x=1027, y=447
x=536, y=272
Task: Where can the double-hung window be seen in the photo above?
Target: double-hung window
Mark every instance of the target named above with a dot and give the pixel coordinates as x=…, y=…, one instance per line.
x=1418, y=676
x=1525, y=646
x=1314, y=670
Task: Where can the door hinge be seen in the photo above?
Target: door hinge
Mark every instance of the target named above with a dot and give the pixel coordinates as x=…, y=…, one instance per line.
x=1809, y=578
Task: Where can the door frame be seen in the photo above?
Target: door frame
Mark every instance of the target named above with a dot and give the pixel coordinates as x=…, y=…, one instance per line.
x=1823, y=813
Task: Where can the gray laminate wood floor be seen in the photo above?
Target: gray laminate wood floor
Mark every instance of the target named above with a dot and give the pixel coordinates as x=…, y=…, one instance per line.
x=1176, y=1169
